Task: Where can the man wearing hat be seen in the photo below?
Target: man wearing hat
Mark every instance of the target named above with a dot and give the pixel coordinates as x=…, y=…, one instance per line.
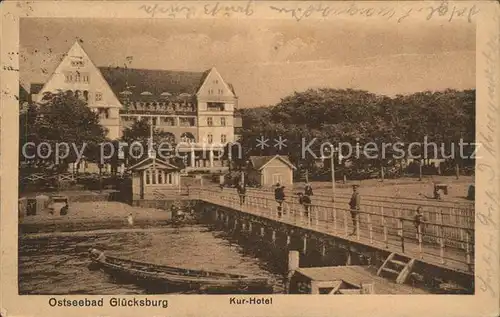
x=279, y=196
x=354, y=205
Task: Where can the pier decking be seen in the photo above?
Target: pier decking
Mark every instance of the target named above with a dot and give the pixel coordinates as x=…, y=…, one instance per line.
x=355, y=275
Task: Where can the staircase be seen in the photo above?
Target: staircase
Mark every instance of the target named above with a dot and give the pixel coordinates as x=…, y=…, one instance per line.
x=396, y=266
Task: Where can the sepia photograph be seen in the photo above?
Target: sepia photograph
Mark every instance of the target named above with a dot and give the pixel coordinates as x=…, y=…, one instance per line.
x=270, y=153
x=208, y=157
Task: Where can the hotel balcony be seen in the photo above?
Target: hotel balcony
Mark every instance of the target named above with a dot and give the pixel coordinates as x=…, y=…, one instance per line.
x=180, y=111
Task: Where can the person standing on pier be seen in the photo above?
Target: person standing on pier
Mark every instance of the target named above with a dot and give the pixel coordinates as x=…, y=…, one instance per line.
x=242, y=190
x=305, y=201
x=279, y=196
x=419, y=220
x=130, y=219
x=308, y=191
x=221, y=182
x=354, y=205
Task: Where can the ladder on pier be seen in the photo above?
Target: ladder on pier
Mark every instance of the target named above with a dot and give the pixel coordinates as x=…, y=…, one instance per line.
x=398, y=266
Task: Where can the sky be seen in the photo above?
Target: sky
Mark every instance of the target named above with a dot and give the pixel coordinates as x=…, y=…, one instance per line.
x=266, y=60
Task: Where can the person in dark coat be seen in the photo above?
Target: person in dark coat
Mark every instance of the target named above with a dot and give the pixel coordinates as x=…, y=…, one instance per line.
x=279, y=194
x=305, y=201
x=354, y=205
x=308, y=191
x=64, y=210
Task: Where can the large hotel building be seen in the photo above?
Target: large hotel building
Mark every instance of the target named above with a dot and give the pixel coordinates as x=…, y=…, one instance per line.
x=192, y=108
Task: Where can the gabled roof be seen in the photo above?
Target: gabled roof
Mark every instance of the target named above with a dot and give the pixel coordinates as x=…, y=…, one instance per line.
x=259, y=162
x=148, y=162
x=157, y=82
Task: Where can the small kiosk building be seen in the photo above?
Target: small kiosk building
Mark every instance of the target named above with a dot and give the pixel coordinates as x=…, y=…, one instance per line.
x=153, y=176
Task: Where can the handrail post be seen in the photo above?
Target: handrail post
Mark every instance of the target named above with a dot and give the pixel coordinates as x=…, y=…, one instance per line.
x=401, y=225
x=419, y=235
x=441, y=243
x=467, y=250
x=358, y=218
x=370, y=228
x=334, y=218
x=316, y=216
x=345, y=223
x=384, y=226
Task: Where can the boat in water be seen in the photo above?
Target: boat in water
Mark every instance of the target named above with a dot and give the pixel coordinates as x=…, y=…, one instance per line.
x=171, y=279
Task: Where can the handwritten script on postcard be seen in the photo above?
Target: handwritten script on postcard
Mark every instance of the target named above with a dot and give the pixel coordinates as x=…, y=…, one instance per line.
x=304, y=10
x=487, y=214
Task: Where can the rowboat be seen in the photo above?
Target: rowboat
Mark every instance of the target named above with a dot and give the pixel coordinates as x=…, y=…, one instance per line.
x=169, y=278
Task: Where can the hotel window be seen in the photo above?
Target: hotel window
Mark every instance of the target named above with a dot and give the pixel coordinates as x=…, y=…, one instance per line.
x=223, y=138
x=98, y=96
x=77, y=63
x=160, y=177
x=147, y=181
x=85, y=78
x=210, y=91
x=67, y=77
x=216, y=81
x=78, y=77
x=210, y=138
x=221, y=91
x=103, y=113
x=209, y=122
x=223, y=122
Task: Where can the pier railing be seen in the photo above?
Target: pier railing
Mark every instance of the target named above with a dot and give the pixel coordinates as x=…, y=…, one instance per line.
x=436, y=212
x=457, y=213
x=435, y=240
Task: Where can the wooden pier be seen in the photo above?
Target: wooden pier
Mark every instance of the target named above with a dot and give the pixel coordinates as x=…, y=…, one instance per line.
x=390, y=240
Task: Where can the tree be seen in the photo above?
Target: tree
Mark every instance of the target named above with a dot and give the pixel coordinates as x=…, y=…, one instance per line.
x=360, y=117
x=60, y=119
x=140, y=133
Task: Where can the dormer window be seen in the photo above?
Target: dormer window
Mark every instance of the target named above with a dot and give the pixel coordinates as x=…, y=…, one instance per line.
x=98, y=96
x=146, y=93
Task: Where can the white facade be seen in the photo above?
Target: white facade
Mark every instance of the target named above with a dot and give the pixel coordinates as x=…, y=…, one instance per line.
x=77, y=74
x=216, y=104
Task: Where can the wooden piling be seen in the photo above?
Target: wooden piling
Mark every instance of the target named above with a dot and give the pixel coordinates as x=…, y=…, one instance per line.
x=293, y=265
x=349, y=257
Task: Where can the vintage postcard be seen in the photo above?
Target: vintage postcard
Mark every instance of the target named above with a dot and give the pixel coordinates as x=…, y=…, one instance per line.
x=251, y=158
